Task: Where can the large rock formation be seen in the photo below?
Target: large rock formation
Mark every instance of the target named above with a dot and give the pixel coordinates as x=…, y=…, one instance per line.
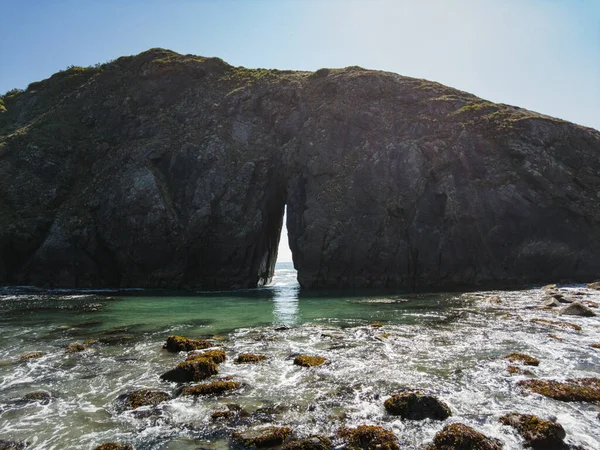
x=165, y=170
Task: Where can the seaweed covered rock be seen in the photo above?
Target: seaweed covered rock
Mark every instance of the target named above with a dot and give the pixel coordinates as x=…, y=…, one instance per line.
x=216, y=387
x=114, y=446
x=12, y=445
x=316, y=442
x=32, y=355
x=42, y=397
x=515, y=370
x=538, y=433
x=417, y=406
x=577, y=309
x=75, y=348
x=461, y=437
x=309, y=361
x=244, y=358
x=369, y=437
x=176, y=344
x=142, y=397
x=195, y=370
x=263, y=437
x=218, y=356
x=523, y=359
x=571, y=390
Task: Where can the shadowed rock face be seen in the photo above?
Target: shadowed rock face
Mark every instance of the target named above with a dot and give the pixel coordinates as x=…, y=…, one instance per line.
x=164, y=170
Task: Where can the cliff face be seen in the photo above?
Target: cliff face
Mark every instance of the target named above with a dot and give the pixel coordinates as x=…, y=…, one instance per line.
x=164, y=170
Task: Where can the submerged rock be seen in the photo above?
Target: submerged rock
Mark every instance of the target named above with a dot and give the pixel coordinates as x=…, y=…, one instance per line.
x=216, y=387
x=12, y=445
x=75, y=348
x=523, y=359
x=204, y=157
x=42, y=397
x=538, y=433
x=309, y=443
x=249, y=358
x=369, y=437
x=195, y=370
x=461, y=437
x=114, y=446
x=176, y=344
x=142, y=397
x=572, y=390
x=309, y=361
x=577, y=309
x=417, y=406
x=514, y=370
x=263, y=437
x=32, y=355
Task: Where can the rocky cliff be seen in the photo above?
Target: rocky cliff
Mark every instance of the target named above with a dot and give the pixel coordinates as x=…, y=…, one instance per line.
x=168, y=170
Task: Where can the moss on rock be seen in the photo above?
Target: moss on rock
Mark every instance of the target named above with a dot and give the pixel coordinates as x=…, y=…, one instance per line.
x=216, y=387
x=369, y=437
x=218, y=356
x=572, y=390
x=75, y=348
x=195, y=370
x=142, y=397
x=32, y=355
x=244, y=358
x=417, y=406
x=514, y=370
x=461, y=437
x=523, y=359
x=263, y=437
x=309, y=361
x=316, y=442
x=177, y=344
x=537, y=433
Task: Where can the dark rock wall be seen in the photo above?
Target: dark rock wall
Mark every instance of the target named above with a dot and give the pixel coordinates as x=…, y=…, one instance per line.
x=164, y=170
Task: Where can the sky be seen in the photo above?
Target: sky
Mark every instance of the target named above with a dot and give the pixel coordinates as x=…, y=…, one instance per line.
x=542, y=55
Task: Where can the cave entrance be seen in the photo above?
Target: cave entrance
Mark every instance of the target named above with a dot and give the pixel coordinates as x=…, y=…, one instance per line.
x=284, y=254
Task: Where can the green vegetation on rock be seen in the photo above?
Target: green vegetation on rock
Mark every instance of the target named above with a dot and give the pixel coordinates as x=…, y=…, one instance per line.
x=369, y=437
x=309, y=361
x=572, y=390
x=216, y=387
x=461, y=437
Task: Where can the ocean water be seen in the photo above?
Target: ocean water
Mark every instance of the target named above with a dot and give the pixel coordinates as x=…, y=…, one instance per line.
x=449, y=344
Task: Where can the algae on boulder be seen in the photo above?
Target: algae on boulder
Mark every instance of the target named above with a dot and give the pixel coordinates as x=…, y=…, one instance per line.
x=244, y=358
x=538, y=433
x=461, y=437
x=218, y=356
x=369, y=437
x=572, y=390
x=417, y=406
x=523, y=359
x=216, y=387
x=263, y=437
x=176, y=344
x=309, y=361
x=142, y=397
x=195, y=370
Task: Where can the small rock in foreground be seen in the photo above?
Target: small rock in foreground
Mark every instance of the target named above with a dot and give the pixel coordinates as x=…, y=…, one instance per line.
x=523, y=358
x=249, y=358
x=32, y=355
x=309, y=443
x=142, y=397
x=176, y=344
x=461, y=437
x=538, y=433
x=263, y=437
x=369, y=437
x=573, y=390
x=309, y=361
x=195, y=370
x=417, y=406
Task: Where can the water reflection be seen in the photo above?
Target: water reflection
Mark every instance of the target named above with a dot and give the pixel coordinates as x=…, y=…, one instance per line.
x=285, y=288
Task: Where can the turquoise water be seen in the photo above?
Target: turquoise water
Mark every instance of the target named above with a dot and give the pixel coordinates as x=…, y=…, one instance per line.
x=451, y=345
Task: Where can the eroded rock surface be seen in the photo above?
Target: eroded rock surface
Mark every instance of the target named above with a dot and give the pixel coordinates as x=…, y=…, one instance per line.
x=168, y=170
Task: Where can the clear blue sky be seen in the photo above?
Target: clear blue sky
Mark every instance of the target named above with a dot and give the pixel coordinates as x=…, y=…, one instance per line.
x=543, y=55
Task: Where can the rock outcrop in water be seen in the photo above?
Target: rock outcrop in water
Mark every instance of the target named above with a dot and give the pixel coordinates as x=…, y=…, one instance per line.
x=168, y=170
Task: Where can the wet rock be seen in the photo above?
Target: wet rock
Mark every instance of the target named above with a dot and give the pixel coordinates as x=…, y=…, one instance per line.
x=114, y=446
x=218, y=415
x=195, y=370
x=555, y=337
x=417, y=406
x=309, y=361
x=549, y=287
x=75, y=348
x=523, y=359
x=554, y=323
x=263, y=437
x=218, y=356
x=310, y=443
x=32, y=355
x=514, y=370
x=42, y=397
x=12, y=445
x=216, y=387
x=369, y=437
x=577, y=309
x=176, y=344
x=244, y=358
x=550, y=302
x=538, y=433
x=493, y=300
x=91, y=342
x=560, y=298
x=461, y=437
x=143, y=397
x=571, y=390
x=376, y=325
x=595, y=346
x=595, y=285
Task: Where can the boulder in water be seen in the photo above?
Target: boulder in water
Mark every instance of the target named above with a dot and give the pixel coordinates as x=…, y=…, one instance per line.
x=315, y=442
x=263, y=437
x=461, y=437
x=369, y=437
x=75, y=348
x=577, y=309
x=114, y=446
x=216, y=387
x=32, y=355
x=523, y=359
x=142, y=397
x=218, y=356
x=538, y=433
x=595, y=285
x=42, y=397
x=195, y=370
x=12, y=445
x=309, y=361
x=572, y=390
x=176, y=344
x=244, y=358
x=417, y=406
